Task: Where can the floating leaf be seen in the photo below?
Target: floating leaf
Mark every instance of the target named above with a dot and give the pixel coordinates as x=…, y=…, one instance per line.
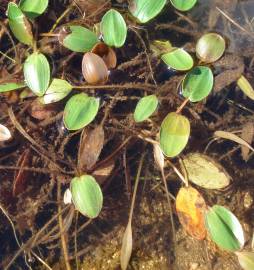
x=224, y=228
x=57, y=90
x=174, y=134
x=232, y=137
x=86, y=195
x=113, y=28
x=37, y=73
x=21, y=176
x=246, y=87
x=126, y=249
x=145, y=108
x=91, y=144
x=77, y=38
x=178, y=59
x=205, y=172
x=210, y=47
x=183, y=5
x=10, y=87
x=19, y=24
x=190, y=207
x=5, y=133
x=33, y=8
x=247, y=135
x=145, y=10
x=246, y=259
x=79, y=111
x=198, y=83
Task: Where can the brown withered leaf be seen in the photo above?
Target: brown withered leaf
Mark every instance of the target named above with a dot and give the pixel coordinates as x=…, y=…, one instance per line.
x=247, y=135
x=91, y=144
x=40, y=111
x=102, y=173
x=21, y=176
x=190, y=207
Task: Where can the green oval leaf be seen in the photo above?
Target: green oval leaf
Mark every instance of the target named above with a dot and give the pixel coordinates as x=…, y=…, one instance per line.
x=145, y=108
x=37, y=73
x=224, y=228
x=145, y=10
x=57, y=90
x=86, y=195
x=183, y=5
x=80, y=110
x=178, y=59
x=19, y=24
x=246, y=259
x=113, y=28
x=205, y=172
x=198, y=83
x=33, y=8
x=210, y=47
x=10, y=87
x=78, y=38
x=174, y=134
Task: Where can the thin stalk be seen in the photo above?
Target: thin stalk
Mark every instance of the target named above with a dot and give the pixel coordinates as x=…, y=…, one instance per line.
x=182, y=105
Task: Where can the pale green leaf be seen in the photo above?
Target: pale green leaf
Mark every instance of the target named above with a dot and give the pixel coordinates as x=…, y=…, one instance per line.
x=80, y=111
x=183, y=5
x=33, y=8
x=86, y=195
x=246, y=87
x=145, y=108
x=113, y=28
x=10, y=87
x=174, y=134
x=246, y=259
x=37, y=73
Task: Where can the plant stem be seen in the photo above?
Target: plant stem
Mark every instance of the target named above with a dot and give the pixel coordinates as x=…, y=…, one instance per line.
x=182, y=105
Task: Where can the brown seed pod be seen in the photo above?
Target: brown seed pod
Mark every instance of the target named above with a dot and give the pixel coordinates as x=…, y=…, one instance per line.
x=106, y=53
x=94, y=69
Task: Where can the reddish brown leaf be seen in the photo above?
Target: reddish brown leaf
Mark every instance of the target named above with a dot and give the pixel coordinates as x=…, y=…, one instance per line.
x=40, y=111
x=91, y=144
x=190, y=207
x=21, y=176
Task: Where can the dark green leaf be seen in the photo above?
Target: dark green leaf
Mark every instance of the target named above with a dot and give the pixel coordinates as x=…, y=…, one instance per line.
x=145, y=10
x=57, y=90
x=174, y=134
x=86, y=195
x=183, y=5
x=198, y=83
x=79, y=111
x=224, y=228
x=37, y=73
x=19, y=24
x=78, y=38
x=210, y=47
x=10, y=86
x=33, y=8
x=113, y=28
x=178, y=59
x=145, y=108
